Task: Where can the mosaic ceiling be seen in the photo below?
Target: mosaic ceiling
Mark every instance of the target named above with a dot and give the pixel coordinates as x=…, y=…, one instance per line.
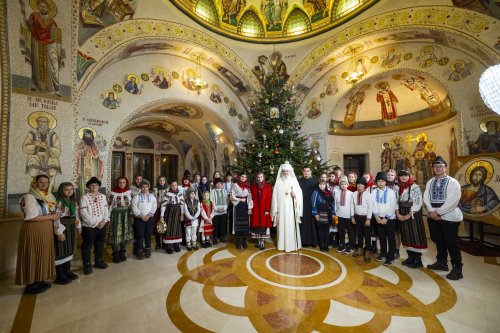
x=271, y=20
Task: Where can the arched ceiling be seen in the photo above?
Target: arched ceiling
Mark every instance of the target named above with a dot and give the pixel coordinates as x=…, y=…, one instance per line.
x=271, y=21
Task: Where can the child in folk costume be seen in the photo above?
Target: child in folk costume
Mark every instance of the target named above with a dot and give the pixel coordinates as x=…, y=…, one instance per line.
x=228, y=184
x=241, y=197
x=343, y=202
x=95, y=216
x=392, y=183
x=323, y=210
x=186, y=185
x=65, y=242
x=361, y=211
x=192, y=211
x=203, y=186
x=159, y=192
x=370, y=186
x=207, y=215
x=351, y=178
x=119, y=202
x=384, y=210
x=219, y=198
x=144, y=208
x=171, y=213
x=410, y=221
x=260, y=220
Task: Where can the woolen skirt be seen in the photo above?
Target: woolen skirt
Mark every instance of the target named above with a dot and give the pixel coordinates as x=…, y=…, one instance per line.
x=35, y=253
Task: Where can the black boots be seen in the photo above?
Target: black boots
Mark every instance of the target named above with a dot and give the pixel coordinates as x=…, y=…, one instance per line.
x=147, y=252
x=122, y=255
x=456, y=272
x=169, y=248
x=61, y=277
x=239, y=241
x=439, y=266
x=116, y=257
x=414, y=260
x=69, y=273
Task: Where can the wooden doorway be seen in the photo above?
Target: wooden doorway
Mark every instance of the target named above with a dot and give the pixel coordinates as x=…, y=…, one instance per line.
x=169, y=167
x=355, y=163
x=117, y=166
x=143, y=165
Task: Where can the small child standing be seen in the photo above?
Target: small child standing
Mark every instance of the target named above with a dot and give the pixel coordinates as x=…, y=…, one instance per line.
x=94, y=214
x=143, y=208
x=192, y=211
x=323, y=209
x=67, y=208
x=361, y=211
x=343, y=201
x=219, y=198
x=384, y=210
x=207, y=214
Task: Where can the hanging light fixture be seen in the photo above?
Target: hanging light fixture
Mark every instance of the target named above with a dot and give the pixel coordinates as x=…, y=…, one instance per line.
x=197, y=82
x=355, y=71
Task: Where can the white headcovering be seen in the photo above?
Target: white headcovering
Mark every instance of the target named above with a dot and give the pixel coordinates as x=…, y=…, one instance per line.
x=286, y=166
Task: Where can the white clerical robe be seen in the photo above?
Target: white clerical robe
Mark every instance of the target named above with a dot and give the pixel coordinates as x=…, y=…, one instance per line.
x=282, y=212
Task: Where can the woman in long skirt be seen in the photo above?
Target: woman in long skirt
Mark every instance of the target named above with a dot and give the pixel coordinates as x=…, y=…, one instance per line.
x=241, y=197
x=409, y=217
x=36, y=255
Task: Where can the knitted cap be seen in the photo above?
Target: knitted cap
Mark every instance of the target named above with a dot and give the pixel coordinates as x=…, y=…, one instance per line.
x=439, y=160
x=381, y=176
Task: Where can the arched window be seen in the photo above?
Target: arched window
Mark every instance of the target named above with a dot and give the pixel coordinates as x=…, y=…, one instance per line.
x=207, y=11
x=250, y=25
x=143, y=142
x=297, y=23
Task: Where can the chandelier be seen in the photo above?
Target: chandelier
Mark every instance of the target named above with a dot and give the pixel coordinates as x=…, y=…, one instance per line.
x=197, y=82
x=356, y=69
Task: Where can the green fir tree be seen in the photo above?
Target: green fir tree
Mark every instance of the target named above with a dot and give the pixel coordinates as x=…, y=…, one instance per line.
x=277, y=134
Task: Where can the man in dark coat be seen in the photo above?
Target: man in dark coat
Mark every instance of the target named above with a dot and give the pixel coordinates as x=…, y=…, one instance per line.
x=308, y=232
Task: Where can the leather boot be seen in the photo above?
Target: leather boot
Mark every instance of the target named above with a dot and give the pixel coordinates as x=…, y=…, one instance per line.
x=69, y=273
x=456, y=272
x=409, y=259
x=61, y=277
x=244, y=242
x=439, y=266
x=416, y=262
x=123, y=257
x=238, y=243
x=116, y=257
x=169, y=249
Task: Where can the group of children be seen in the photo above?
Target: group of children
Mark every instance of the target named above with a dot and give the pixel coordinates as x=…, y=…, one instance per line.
x=386, y=208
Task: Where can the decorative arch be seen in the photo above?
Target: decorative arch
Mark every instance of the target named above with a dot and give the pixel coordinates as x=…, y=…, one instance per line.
x=109, y=42
x=475, y=27
x=143, y=142
x=206, y=9
x=297, y=23
x=251, y=25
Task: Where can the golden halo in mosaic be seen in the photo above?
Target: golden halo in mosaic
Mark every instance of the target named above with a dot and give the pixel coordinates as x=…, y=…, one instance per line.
x=272, y=291
x=33, y=117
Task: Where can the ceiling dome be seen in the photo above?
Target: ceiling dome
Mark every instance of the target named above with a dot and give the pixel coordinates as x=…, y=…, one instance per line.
x=271, y=21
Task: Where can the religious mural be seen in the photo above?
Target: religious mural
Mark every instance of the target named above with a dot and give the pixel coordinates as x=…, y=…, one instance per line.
x=43, y=147
x=98, y=14
x=331, y=86
x=41, y=45
x=161, y=77
x=479, y=179
x=132, y=84
x=404, y=101
x=110, y=100
x=314, y=109
x=90, y=153
x=489, y=140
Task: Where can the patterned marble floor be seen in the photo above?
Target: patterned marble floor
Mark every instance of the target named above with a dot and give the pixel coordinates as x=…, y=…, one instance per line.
x=222, y=289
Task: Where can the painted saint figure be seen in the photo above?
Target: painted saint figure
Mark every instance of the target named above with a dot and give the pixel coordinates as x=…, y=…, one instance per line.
x=488, y=142
x=477, y=197
x=43, y=148
x=88, y=159
x=41, y=44
x=388, y=102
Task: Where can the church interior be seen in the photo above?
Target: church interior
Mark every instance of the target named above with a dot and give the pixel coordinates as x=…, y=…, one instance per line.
x=158, y=87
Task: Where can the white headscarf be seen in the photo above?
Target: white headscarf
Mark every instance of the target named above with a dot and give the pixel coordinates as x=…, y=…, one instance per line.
x=286, y=166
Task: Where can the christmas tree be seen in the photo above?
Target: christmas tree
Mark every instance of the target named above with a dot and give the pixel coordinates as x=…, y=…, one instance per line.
x=277, y=134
